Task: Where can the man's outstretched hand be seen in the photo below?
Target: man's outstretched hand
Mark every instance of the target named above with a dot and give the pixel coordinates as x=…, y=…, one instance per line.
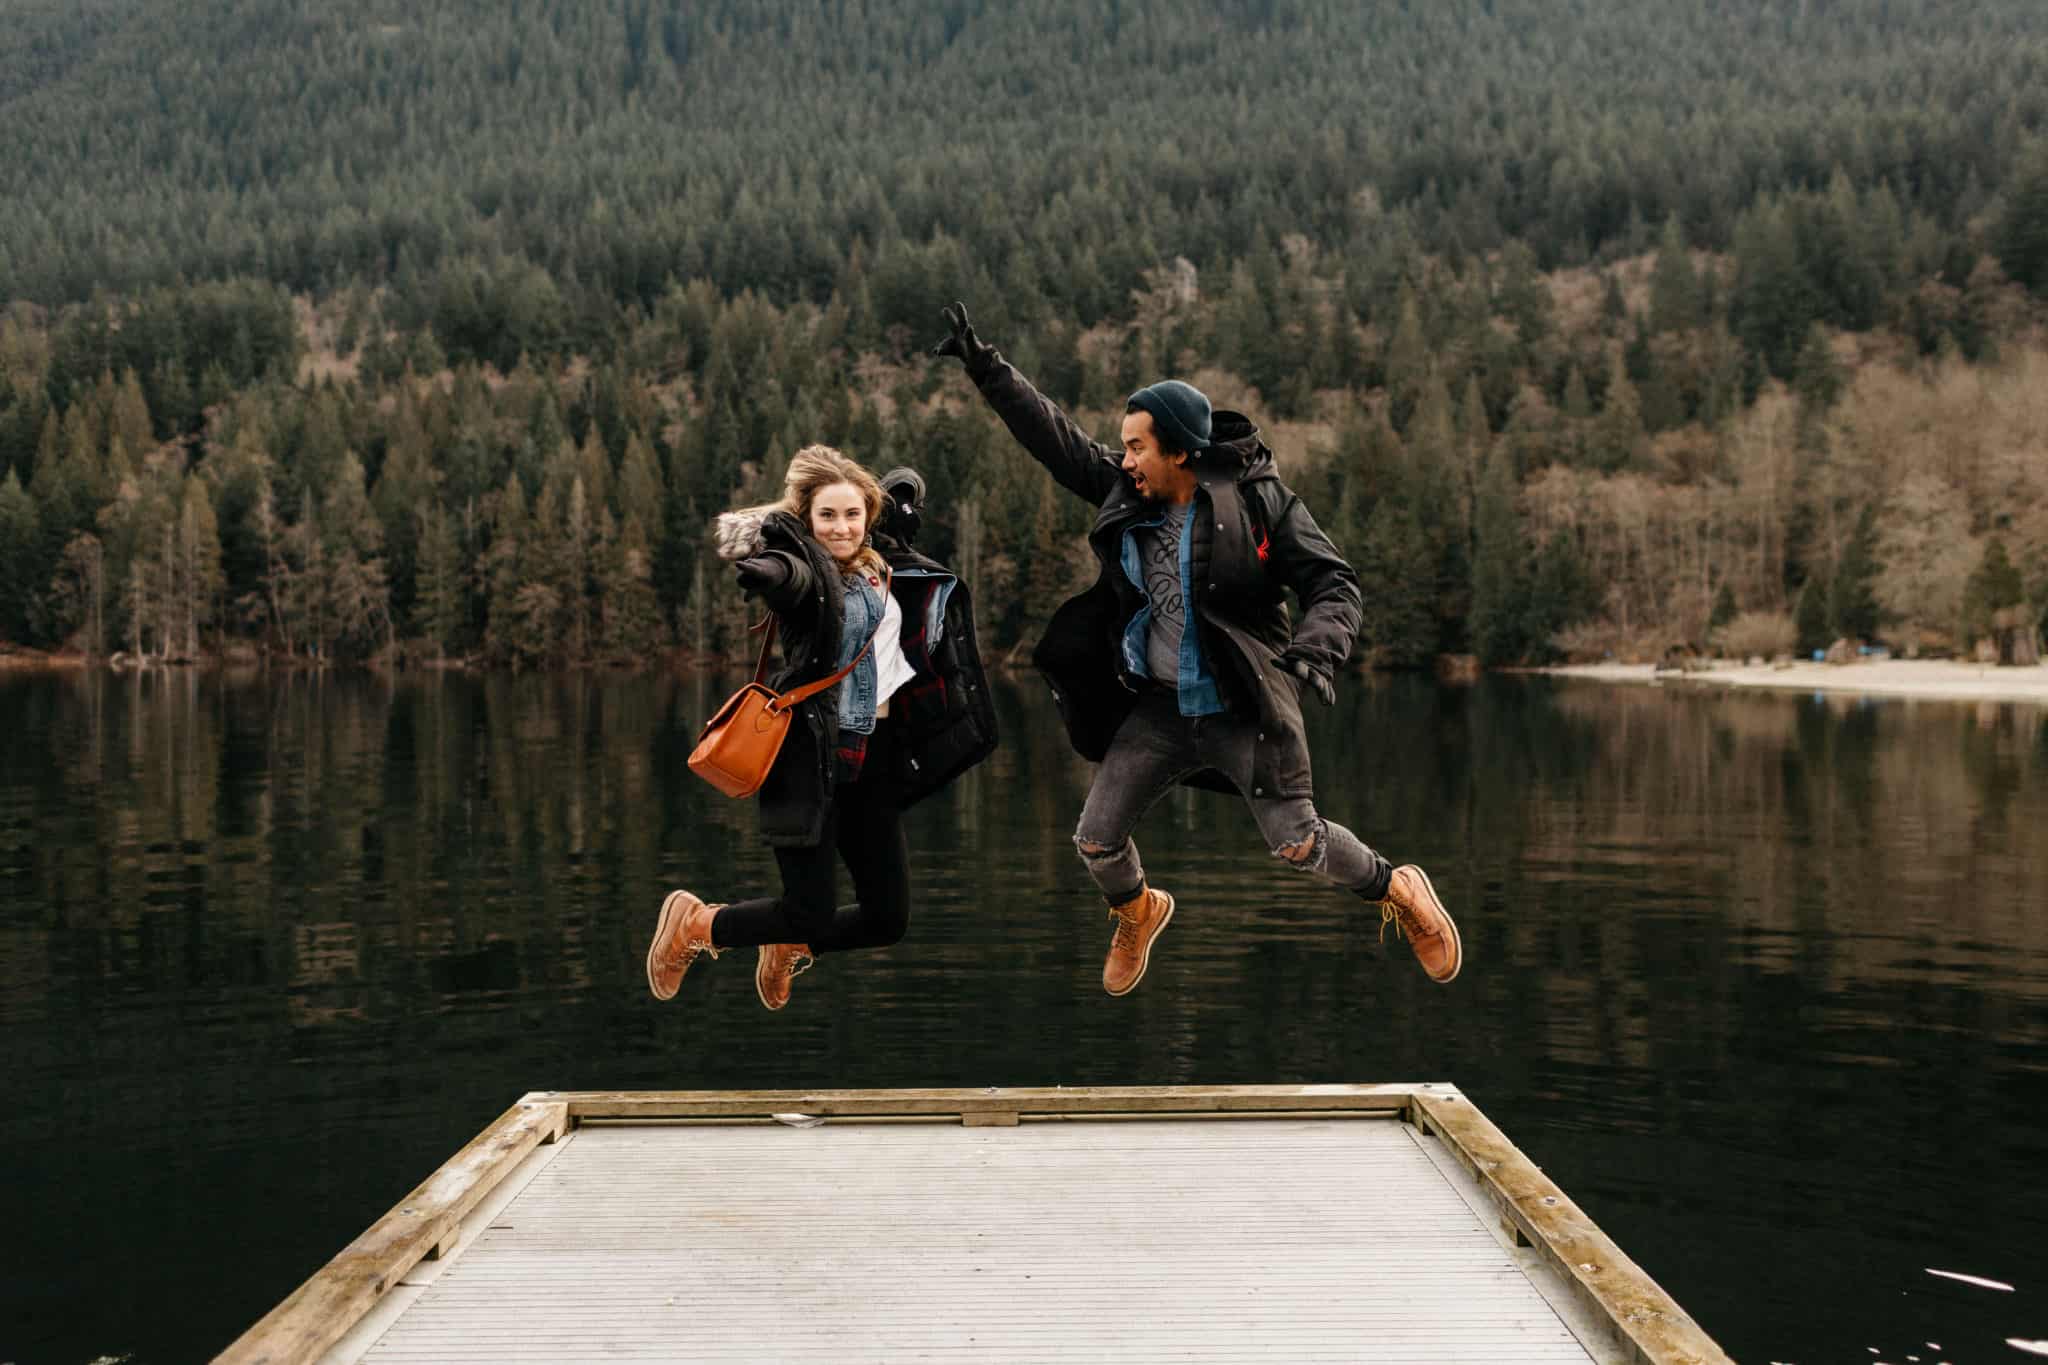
x=1314, y=677
x=962, y=343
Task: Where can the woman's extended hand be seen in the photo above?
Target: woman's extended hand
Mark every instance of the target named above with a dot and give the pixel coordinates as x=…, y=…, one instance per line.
x=762, y=575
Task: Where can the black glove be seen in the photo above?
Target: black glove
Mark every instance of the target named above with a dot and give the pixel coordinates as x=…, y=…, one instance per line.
x=762, y=574
x=963, y=344
x=1314, y=677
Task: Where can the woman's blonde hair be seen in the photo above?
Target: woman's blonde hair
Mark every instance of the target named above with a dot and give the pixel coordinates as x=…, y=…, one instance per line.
x=819, y=466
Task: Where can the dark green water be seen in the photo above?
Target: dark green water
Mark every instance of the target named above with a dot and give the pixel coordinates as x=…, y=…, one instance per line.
x=1762, y=981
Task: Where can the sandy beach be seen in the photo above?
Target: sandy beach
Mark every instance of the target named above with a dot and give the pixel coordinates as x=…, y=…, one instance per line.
x=1936, y=679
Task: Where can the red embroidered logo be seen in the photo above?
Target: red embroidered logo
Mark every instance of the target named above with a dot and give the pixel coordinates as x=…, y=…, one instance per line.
x=1265, y=543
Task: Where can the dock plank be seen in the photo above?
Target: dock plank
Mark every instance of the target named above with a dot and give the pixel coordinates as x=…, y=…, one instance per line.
x=321, y=1311
x=1176, y=1239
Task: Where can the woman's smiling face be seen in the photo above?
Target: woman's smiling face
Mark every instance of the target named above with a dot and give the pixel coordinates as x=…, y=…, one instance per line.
x=839, y=519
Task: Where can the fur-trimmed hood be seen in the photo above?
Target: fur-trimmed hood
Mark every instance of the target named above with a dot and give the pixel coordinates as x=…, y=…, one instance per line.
x=739, y=535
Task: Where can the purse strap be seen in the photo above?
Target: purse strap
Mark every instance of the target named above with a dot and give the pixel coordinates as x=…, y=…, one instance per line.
x=798, y=695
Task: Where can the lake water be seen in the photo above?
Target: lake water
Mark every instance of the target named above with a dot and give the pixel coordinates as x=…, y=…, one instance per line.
x=1761, y=980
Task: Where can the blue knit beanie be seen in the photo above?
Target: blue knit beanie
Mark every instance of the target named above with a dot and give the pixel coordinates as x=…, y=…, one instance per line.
x=1180, y=413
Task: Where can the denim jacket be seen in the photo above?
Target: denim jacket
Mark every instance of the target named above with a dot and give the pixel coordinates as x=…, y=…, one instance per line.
x=864, y=608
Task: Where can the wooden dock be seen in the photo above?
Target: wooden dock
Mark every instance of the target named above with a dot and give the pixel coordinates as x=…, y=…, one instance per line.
x=1221, y=1223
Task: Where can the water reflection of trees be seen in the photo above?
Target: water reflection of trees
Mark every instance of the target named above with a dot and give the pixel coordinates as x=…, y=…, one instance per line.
x=434, y=815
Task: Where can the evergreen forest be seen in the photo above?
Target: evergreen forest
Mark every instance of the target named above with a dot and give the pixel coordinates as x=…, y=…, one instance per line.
x=1588, y=328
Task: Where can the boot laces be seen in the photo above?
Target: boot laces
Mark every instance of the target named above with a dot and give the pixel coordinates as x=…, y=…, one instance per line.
x=797, y=962
x=1390, y=915
x=684, y=952
x=1126, y=937
x=680, y=957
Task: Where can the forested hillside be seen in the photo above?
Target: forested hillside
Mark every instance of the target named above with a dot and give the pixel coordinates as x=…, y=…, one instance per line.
x=445, y=326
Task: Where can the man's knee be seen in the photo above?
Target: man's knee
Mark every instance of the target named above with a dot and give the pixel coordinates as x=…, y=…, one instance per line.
x=1096, y=851
x=1307, y=852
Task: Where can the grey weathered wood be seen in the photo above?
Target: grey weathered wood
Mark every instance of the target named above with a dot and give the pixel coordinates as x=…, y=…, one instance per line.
x=1620, y=1291
x=1178, y=1239
x=319, y=1312
x=1016, y=1224
x=1041, y=1100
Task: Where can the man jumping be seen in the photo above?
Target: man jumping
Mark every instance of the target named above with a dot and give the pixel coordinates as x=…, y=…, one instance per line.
x=1180, y=663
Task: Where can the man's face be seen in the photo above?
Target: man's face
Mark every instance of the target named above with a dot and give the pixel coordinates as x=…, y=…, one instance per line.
x=1159, y=476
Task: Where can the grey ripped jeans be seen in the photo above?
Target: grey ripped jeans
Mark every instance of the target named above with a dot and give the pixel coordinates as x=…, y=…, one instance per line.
x=1156, y=747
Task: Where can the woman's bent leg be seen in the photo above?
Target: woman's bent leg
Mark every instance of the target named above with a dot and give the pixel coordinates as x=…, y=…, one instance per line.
x=810, y=879
x=872, y=845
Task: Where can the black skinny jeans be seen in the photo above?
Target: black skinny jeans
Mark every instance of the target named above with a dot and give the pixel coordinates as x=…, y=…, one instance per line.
x=864, y=829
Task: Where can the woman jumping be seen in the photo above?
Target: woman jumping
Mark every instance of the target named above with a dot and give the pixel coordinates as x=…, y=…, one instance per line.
x=832, y=561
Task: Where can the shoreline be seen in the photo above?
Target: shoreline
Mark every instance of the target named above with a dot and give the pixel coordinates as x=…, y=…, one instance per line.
x=1930, y=679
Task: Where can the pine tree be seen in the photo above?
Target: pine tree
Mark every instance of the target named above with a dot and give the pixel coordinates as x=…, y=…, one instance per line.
x=504, y=573
x=639, y=487
x=1408, y=363
x=1675, y=303
x=271, y=604
x=1616, y=441
x=1724, y=609
x=442, y=607
x=314, y=459
x=1774, y=300
x=79, y=591
x=580, y=548
x=1560, y=595
x=405, y=484
x=594, y=467
x=1810, y=616
x=1500, y=567
x=1531, y=439
x=1994, y=585
x=307, y=605
x=1523, y=298
x=1578, y=417
x=2021, y=236
x=141, y=526
x=632, y=614
x=1475, y=441
x=200, y=580
x=22, y=564
x=1853, y=613
x=1816, y=375
x=1396, y=576
x=128, y=419
x=359, y=595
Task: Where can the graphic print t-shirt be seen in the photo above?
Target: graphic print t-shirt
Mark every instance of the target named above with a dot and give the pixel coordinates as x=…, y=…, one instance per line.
x=1159, y=558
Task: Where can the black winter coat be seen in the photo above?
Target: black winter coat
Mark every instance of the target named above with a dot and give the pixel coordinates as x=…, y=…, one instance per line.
x=945, y=718
x=1252, y=540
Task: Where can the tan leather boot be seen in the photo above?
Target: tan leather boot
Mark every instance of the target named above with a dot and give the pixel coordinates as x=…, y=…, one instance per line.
x=777, y=966
x=1139, y=921
x=682, y=932
x=1412, y=907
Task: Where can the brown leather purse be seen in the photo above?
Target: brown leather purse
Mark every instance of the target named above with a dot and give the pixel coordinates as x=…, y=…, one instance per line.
x=737, y=746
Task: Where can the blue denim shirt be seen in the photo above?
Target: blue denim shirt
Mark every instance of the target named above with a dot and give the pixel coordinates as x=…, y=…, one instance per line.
x=1199, y=695
x=863, y=613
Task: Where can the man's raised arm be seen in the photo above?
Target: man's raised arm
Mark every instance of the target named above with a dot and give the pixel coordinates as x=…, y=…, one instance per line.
x=1078, y=462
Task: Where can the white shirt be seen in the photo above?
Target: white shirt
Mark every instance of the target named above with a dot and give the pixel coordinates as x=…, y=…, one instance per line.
x=892, y=669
